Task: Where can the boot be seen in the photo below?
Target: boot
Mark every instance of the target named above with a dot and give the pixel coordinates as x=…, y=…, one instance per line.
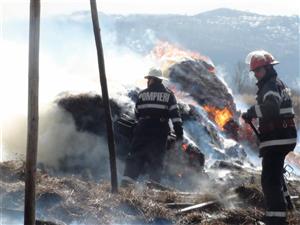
x=275, y=221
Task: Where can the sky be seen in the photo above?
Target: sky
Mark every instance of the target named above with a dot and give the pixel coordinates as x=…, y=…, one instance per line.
x=186, y=7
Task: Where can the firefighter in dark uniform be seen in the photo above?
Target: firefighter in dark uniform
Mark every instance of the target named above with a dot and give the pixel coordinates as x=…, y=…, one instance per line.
x=278, y=135
x=155, y=106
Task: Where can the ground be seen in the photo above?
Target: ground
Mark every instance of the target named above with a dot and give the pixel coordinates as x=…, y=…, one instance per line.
x=234, y=199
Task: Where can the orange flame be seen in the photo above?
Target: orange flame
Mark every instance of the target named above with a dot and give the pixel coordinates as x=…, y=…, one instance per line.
x=220, y=116
x=184, y=146
x=169, y=54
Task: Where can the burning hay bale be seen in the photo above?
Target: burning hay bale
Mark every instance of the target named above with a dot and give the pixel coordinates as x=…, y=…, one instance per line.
x=209, y=92
x=88, y=114
x=184, y=162
x=88, y=111
x=201, y=84
x=197, y=79
x=191, y=77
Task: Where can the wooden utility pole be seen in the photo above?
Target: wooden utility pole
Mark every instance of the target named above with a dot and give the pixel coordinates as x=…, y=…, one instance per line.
x=105, y=98
x=33, y=113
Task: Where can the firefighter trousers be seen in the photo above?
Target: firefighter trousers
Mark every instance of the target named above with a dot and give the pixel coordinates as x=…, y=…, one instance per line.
x=146, y=156
x=272, y=185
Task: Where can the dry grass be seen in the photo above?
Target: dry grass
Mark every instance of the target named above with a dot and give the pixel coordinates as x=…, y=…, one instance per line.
x=243, y=216
x=67, y=200
x=251, y=195
x=294, y=218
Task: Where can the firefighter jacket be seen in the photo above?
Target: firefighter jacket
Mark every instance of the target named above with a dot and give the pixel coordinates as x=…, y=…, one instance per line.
x=154, y=107
x=276, y=115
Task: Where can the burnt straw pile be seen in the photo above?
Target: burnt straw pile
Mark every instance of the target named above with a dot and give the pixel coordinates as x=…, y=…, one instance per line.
x=211, y=177
x=208, y=118
x=207, y=88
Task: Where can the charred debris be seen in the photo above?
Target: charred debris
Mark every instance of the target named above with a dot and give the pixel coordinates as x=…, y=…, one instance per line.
x=206, y=181
x=212, y=112
x=234, y=199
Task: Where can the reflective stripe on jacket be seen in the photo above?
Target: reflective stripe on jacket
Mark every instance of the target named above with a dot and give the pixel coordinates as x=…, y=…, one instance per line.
x=275, y=113
x=158, y=103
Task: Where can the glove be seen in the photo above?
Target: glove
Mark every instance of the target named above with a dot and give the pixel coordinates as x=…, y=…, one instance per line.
x=178, y=131
x=247, y=117
x=179, y=137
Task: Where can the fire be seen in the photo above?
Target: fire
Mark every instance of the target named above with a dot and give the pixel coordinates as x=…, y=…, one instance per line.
x=220, y=116
x=169, y=54
x=184, y=146
x=165, y=49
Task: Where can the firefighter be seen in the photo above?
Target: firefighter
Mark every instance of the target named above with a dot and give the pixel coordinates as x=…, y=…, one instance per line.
x=155, y=106
x=277, y=132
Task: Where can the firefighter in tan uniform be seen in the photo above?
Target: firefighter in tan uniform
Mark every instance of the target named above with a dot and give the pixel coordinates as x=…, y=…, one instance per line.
x=277, y=132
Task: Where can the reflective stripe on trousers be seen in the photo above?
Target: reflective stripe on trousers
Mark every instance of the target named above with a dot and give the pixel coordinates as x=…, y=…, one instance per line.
x=275, y=213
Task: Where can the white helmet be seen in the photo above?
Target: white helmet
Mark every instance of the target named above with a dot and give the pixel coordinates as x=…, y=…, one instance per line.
x=155, y=73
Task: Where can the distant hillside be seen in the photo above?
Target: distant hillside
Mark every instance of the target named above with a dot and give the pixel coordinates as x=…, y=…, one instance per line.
x=224, y=35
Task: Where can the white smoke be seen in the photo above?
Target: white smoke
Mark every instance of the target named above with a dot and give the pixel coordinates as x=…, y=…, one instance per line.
x=73, y=73
x=71, y=66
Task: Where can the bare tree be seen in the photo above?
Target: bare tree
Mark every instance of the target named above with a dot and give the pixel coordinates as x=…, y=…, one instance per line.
x=241, y=77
